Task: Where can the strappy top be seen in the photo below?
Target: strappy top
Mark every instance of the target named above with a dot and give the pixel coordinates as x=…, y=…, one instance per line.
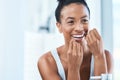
x=61, y=71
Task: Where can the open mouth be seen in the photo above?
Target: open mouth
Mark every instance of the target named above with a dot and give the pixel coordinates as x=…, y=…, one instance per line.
x=78, y=36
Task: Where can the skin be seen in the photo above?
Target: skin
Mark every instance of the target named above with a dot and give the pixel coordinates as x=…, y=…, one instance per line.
x=75, y=55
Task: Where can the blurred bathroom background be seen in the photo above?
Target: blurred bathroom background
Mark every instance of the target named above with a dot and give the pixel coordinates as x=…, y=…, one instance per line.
x=28, y=30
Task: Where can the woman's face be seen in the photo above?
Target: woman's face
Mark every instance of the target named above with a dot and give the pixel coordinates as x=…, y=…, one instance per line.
x=74, y=22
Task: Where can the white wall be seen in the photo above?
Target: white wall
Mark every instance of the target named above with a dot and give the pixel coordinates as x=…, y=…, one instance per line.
x=95, y=14
x=11, y=40
x=107, y=24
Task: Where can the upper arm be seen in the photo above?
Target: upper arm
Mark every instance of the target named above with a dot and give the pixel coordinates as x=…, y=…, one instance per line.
x=47, y=69
x=109, y=60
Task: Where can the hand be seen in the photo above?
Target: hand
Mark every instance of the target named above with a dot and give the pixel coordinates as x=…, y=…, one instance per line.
x=74, y=55
x=95, y=43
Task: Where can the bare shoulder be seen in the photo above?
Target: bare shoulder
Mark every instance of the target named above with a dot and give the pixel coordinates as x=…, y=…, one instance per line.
x=46, y=62
x=109, y=59
x=47, y=67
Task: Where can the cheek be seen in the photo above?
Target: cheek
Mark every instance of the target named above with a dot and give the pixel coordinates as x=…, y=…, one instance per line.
x=67, y=29
x=67, y=32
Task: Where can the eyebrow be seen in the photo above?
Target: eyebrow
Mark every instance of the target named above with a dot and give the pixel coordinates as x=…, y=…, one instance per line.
x=84, y=16
x=70, y=18
x=74, y=18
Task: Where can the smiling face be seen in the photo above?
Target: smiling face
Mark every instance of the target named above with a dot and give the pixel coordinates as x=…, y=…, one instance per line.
x=74, y=22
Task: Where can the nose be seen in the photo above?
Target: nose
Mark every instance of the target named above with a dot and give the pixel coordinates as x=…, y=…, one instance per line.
x=79, y=27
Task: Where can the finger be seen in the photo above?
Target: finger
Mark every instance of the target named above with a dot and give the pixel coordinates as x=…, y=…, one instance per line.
x=74, y=48
x=78, y=48
x=92, y=35
x=87, y=33
x=70, y=46
x=81, y=50
x=86, y=38
x=89, y=38
x=96, y=33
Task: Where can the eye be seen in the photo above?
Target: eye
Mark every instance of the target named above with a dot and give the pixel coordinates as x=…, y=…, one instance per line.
x=70, y=22
x=84, y=21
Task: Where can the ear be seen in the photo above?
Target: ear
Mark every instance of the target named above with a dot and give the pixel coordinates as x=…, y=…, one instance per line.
x=58, y=24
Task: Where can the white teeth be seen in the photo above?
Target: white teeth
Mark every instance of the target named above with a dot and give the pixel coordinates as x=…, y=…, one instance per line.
x=78, y=36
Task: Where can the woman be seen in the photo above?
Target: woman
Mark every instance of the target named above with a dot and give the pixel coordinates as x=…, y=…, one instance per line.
x=83, y=54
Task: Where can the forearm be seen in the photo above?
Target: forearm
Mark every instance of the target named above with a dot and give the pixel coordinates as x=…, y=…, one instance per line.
x=100, y=65
x=73, y=74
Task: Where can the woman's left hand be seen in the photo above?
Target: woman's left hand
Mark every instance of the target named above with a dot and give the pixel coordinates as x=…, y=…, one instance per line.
x=95, y=43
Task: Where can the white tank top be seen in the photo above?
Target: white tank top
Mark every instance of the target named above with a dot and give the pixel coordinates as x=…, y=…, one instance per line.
x=61, y=71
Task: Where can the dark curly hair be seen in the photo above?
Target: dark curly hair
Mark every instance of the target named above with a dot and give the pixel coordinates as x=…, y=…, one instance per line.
x=63, y=3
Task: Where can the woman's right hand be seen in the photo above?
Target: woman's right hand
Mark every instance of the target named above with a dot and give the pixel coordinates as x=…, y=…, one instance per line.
x=74, y=55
